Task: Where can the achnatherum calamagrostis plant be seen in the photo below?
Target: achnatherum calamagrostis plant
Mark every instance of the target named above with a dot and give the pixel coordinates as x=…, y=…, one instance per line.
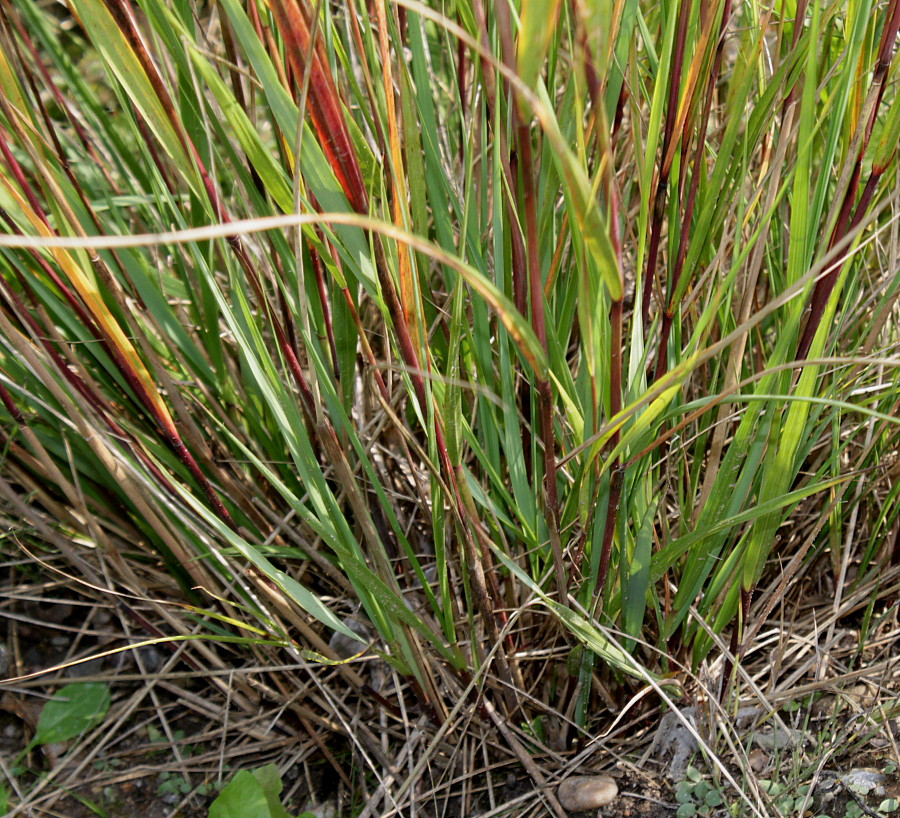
x=538, y=341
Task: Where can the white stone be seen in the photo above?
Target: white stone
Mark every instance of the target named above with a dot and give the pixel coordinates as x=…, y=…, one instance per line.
x=587, y=792
x=327, y=809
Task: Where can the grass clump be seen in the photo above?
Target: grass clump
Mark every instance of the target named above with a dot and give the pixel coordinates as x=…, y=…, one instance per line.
x=541, y=352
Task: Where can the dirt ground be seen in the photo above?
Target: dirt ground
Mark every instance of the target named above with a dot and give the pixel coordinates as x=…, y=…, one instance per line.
x=163, y=750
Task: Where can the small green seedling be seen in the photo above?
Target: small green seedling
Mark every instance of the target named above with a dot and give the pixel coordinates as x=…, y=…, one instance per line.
x=885, y=808
x=172, y=784
x=787, y=801
x=72, y=711
x=252, y=794
x=696, y=797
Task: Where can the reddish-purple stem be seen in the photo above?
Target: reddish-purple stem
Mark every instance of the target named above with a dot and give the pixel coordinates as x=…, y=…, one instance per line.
x=678, y=269
x=322, y=289
x=844, y=224
x=659, y=201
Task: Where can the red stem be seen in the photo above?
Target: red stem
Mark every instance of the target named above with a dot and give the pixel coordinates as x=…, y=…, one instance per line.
x=659, y=202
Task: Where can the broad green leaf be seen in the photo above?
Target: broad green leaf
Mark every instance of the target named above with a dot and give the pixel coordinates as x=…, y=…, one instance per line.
x=73, y=710
x=251, y=794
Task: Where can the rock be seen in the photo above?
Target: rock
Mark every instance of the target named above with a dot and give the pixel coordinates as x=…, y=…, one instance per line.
x=673, y=738
x=758, y=760
x=865, y=782
x=587, y=792
x=152, y=658
x=344, y=646
x=92, y=667
x=779, y=739
x=826, y=706
x=327, y=809
x=863, y=695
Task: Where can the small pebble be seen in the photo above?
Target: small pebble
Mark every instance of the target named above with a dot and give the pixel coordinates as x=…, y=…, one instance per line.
x=151, y=658
x=758, y=760
x=92, y=667
x=825, y=707
x=344, y=646
x=587, y=792
x=863, y=695
x=327, y=809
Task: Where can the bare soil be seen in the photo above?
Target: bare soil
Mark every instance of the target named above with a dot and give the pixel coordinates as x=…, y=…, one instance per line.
x=169, y=743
